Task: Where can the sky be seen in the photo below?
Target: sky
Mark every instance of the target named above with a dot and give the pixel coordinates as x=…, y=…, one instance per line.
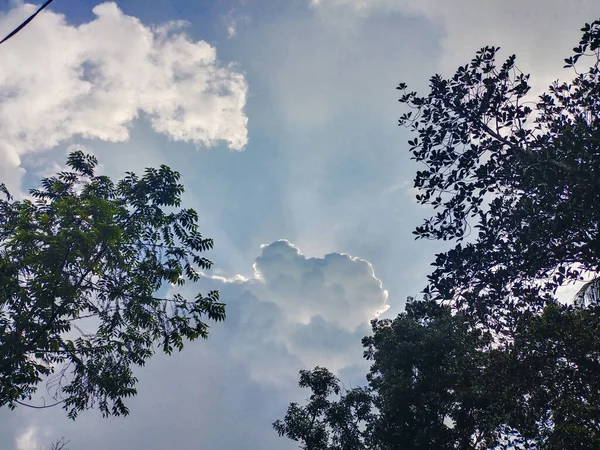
x=281, y=116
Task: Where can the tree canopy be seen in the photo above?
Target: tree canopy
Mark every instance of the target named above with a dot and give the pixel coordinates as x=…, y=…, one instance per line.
x=516, y=182
x=89, y=277
x=490, y=358
x=439, y=381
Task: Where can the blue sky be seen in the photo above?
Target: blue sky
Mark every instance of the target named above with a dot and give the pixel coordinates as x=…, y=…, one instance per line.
x=281, y=117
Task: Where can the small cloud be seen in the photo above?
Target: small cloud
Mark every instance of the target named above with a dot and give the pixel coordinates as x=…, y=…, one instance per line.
x=231, y=30
x=27, y=440
x=232, y=19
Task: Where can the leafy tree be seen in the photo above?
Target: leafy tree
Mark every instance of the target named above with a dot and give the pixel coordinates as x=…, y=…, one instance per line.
x=491, y=359
x=439, y=381
x=424, y=366
x=324, y=424
x=90, y=254
x=525, y=175
x=552, y=370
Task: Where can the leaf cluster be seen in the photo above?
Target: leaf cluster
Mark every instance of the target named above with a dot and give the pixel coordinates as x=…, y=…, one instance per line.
x=516, y=183
x=440, y=381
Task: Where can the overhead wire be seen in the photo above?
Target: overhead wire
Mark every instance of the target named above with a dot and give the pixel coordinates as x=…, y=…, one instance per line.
x=24, y=24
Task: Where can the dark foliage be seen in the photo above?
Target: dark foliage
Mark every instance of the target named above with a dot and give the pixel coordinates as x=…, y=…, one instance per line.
x=491, y=359
x=525, y=177
x=439, y=381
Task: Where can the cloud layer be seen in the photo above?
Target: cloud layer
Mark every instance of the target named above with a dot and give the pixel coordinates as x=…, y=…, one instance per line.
x=540, y=32
x=93, y=80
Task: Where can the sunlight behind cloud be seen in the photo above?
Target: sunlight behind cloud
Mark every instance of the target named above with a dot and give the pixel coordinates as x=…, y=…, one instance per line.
x=306, y=310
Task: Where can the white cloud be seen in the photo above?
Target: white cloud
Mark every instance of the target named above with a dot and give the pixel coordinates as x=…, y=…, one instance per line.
x=231, y=30
x=308, y=311
x=340, y=288
x=232, y=19
x=58, y=81
x=356, y=4
x=27, y=440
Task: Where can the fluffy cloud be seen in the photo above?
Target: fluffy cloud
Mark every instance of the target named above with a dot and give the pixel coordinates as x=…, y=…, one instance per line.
x=294, y=312
x=311, y=311
x=93, y=80
x=338, y=287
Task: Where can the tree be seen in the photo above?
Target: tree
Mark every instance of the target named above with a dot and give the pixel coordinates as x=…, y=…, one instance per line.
x=60, y=444
x=90, y=254
x=491, y=359
x=324, y=424
x=439, y=381
x=525, y=175
x=425, y=363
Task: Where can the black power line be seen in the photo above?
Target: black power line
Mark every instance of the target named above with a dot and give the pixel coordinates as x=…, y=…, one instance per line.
x=29, y=19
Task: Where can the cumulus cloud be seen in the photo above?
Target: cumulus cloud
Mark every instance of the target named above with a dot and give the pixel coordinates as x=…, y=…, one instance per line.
x=338, y=287
x=310, y=311
x=58, y=80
